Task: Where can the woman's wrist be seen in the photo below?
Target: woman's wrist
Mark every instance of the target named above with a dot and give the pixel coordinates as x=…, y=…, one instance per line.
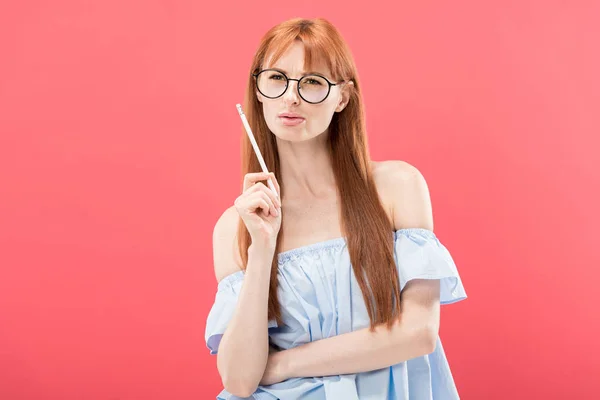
x=265, y=251
x=282, y=365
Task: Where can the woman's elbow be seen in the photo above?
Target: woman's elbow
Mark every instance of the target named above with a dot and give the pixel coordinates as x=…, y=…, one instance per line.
x=237, y=383
x=237, y=377
x=239, y=387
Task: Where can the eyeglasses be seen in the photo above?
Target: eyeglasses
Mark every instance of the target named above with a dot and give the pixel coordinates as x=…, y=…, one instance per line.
x=313, y=88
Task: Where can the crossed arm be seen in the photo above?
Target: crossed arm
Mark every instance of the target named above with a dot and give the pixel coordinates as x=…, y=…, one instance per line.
x=413, y=335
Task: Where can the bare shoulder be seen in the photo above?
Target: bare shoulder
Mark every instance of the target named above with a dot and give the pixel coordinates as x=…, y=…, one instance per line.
x=226, y=257
x=404, y=190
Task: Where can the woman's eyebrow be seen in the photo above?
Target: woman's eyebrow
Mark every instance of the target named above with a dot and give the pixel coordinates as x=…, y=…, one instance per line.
x=301, y=72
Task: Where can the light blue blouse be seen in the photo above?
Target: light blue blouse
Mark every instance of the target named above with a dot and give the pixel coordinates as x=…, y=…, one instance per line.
x=320, y=298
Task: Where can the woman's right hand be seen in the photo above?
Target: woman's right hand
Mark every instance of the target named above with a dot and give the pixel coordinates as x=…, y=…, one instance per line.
x=260, y=209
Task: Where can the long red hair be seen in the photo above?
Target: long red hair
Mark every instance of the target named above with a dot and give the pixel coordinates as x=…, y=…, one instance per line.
x=364, y=222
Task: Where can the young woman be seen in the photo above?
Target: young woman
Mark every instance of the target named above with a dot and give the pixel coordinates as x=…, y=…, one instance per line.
x=330, y=288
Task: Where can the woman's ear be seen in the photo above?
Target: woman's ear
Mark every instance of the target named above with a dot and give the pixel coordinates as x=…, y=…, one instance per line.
x=345, y=96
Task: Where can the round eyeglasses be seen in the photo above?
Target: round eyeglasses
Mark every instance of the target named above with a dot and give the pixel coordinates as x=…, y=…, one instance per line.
x=312, y=88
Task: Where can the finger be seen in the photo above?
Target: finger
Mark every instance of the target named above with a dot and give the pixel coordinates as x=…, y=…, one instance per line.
x=253, y=177
x=274, y=179
x=268, y=197
x=263, y=188
x=265, y=207
x=257, y=204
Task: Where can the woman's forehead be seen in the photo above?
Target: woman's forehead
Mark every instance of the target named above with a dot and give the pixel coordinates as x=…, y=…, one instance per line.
x=293, y=60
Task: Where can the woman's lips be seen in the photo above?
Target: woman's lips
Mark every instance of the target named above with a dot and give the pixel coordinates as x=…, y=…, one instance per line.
x=288, y=121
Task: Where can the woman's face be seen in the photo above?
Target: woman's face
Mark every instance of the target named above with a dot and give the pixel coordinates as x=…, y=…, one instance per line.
x=313, y=119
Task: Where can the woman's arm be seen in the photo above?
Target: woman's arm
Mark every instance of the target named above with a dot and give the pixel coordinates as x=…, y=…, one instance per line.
x=413, y=335
x=244, y=348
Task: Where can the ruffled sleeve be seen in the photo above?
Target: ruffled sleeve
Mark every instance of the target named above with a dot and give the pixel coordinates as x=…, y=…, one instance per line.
x=420, y=255
x=222, y=310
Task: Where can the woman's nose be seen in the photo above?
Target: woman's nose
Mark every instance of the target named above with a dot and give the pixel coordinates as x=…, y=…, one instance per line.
x=291, y=93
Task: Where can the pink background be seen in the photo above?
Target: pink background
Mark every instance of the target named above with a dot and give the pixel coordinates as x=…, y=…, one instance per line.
x=119, y=149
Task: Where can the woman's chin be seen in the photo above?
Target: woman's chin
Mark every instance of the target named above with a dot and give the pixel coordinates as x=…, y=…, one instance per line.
x=290, y=135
